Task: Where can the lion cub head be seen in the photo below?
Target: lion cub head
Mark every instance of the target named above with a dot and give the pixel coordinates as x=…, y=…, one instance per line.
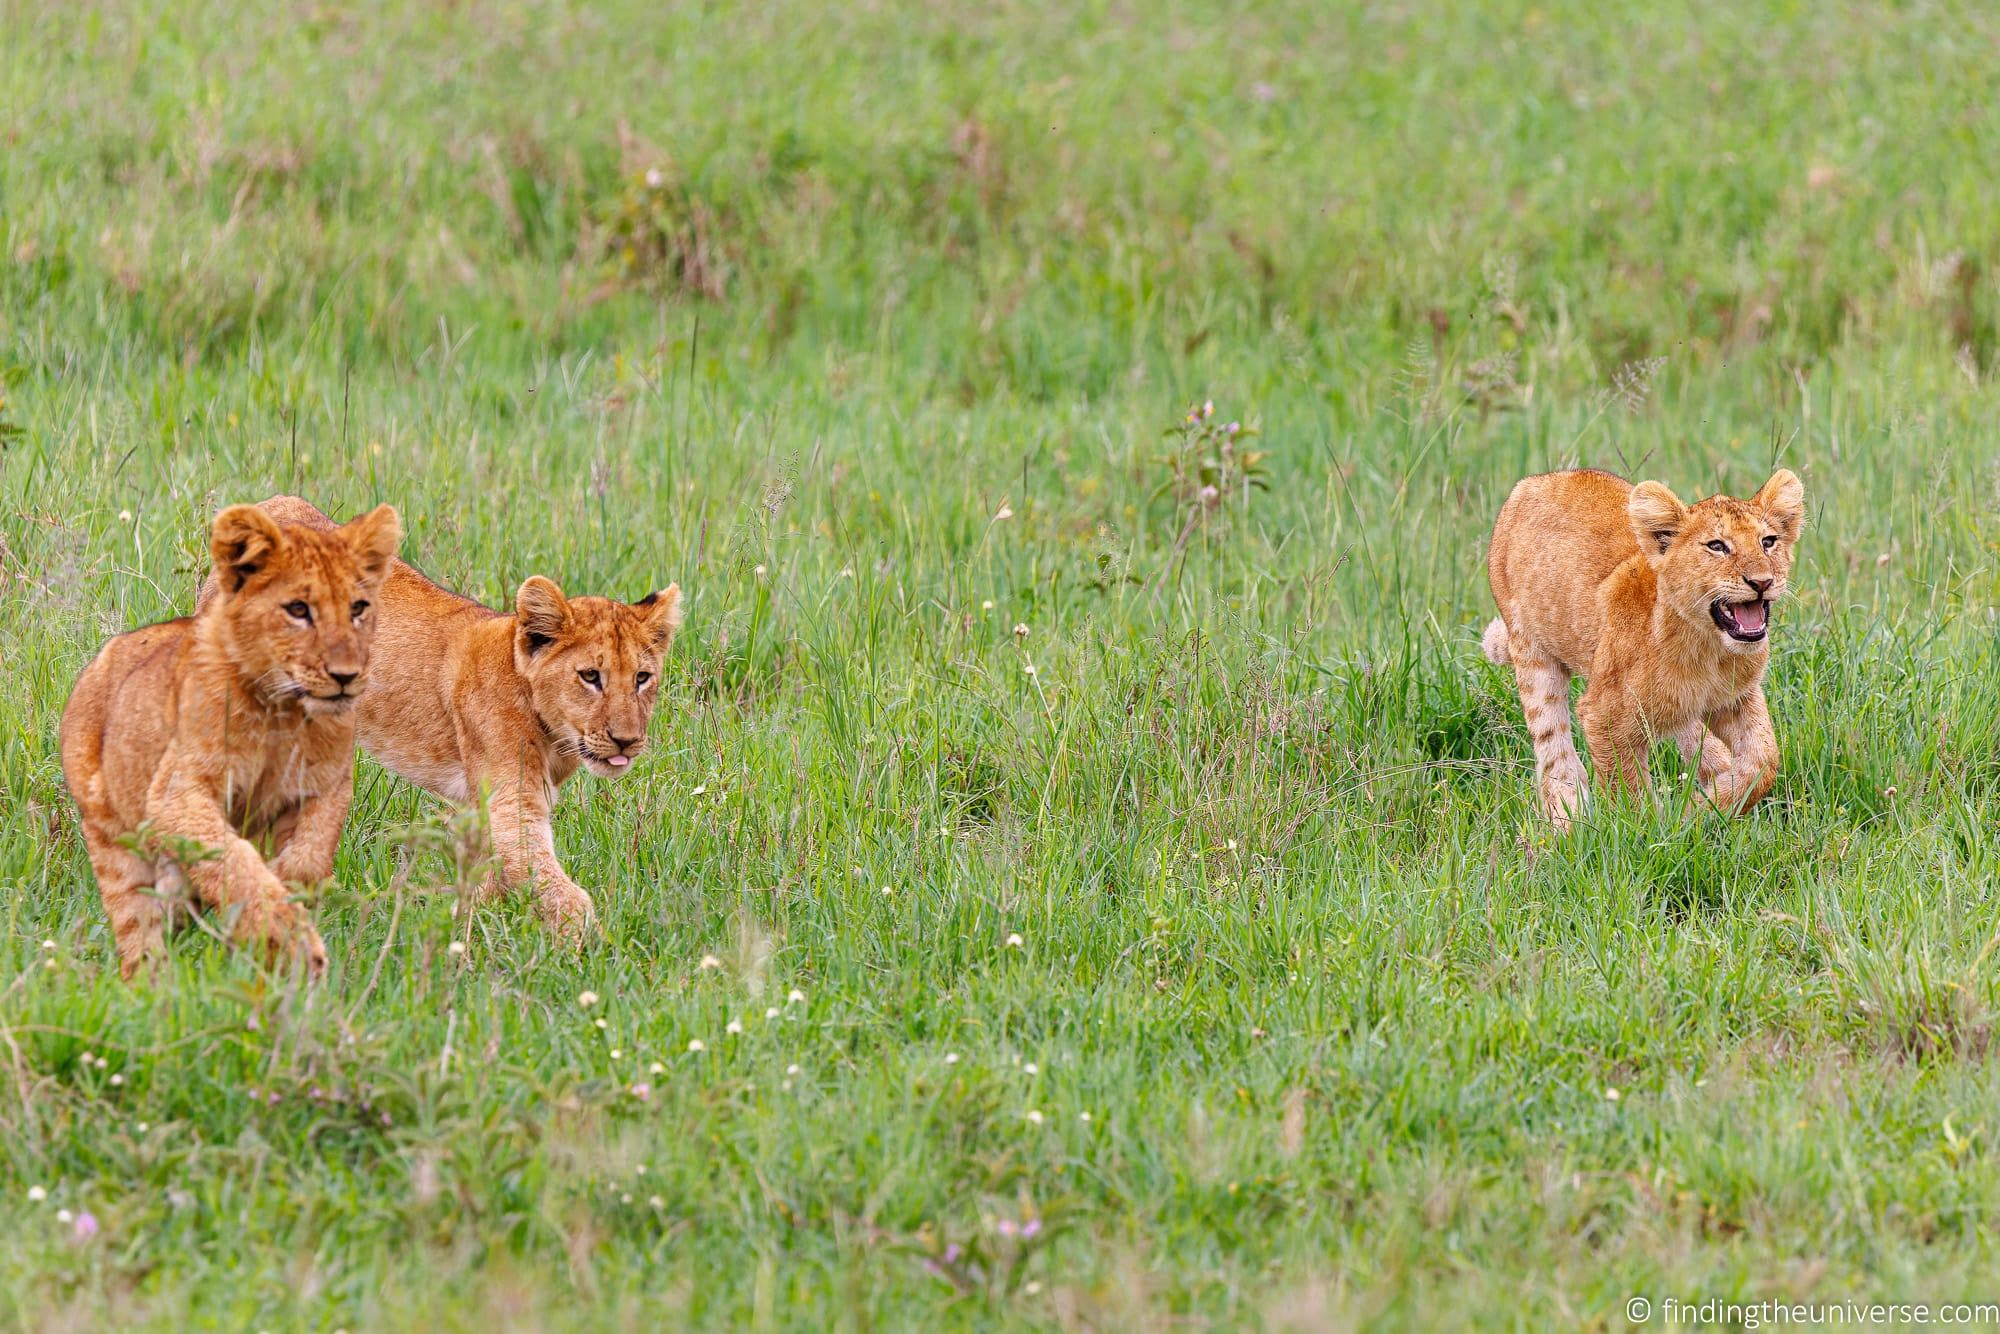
x=295, y=604
x=593, y=668
x=1722, y=560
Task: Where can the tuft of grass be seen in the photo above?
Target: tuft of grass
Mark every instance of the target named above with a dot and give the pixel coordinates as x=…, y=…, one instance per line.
x=1052, y=898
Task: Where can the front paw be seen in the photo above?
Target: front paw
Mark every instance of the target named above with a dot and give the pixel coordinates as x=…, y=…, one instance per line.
x=1733, y=792
x=1715, y=762
x=567, y=911
x=285, y=930
x=304, y=872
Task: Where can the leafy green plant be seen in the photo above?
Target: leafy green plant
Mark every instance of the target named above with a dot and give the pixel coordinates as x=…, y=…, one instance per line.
x=1208, y=469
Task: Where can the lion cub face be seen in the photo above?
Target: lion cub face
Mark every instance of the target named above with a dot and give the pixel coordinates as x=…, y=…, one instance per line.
x=297, y=604
x=1722, y=560
x=593, y=668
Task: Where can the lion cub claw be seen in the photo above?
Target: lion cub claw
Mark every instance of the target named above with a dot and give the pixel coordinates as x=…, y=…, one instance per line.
x=285, y=931
x=568, y=912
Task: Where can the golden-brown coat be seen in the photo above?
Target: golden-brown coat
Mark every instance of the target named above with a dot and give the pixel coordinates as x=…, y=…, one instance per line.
x=466, y=701
x=229, y=735
x=1663, y=607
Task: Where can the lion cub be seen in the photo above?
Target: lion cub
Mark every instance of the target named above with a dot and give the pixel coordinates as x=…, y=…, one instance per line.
x=1664, y=607
x=230, y=734
x=466, y=700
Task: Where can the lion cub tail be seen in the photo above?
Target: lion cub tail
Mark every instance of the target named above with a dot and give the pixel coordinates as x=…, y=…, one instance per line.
x=1494, y=641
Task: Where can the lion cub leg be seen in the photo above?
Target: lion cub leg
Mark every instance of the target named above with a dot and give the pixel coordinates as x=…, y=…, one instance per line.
x=304, y=839
x=525, y=842
x=1544, y=686
x=1703, y=749
x=138, y=917
x=1617, y=736
x=1753, y=745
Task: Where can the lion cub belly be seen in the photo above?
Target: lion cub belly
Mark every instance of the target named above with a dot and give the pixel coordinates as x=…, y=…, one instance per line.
x=264, y=804
x=406, y=726
x=417, y=763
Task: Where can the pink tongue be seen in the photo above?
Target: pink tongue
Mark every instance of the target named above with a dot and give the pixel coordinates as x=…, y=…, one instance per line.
x=1750, y=616
x=619, y=761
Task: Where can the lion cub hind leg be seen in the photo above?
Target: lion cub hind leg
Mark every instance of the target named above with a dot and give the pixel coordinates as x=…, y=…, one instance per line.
x=1544, y=686
x=138, y=914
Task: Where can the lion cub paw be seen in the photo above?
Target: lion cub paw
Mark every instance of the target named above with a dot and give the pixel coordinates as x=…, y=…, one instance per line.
x=568, y=912
x=285, y=930
x=1563, y=802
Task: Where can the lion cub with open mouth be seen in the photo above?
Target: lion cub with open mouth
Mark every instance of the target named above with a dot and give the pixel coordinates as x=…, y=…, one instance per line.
x=466, y=700
x=1665, y=608
x=230, y=734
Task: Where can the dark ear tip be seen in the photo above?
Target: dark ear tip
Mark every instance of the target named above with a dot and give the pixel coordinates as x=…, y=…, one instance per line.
x=649, y=599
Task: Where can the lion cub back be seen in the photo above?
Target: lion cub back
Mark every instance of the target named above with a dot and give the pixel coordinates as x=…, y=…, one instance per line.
x=1558, y=537
x=109, y=773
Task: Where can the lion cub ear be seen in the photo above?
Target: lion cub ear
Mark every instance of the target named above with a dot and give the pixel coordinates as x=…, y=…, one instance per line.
x=1657, y=516
x=1784, y=499
x=241, y=540
x=663, y=614
x=374, y=538
x=541, y=613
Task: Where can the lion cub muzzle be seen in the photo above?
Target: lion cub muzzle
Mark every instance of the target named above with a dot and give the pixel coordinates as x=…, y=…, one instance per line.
x=1745, y=622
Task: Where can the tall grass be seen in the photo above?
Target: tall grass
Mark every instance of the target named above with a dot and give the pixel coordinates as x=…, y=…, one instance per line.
x=1215, y=970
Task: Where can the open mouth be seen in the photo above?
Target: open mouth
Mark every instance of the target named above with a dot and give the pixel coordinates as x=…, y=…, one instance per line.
x=1744, y=622
x=610, y=766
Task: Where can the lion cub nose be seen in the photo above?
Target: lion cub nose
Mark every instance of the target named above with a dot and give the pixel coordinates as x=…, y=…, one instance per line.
x=1759, y=586
x=343, y=679
x=624, y=742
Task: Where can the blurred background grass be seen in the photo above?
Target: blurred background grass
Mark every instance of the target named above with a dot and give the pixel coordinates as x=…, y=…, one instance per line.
x=865, y=323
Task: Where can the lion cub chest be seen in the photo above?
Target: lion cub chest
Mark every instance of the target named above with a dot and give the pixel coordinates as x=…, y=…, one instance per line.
x=282, y=766
x=1649, y=660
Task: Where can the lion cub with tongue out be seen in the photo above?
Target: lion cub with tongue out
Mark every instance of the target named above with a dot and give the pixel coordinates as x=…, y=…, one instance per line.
x=470, y=702
x=1664, y=608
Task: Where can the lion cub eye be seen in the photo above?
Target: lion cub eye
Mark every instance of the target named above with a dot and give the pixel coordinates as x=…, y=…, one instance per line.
x=299, y=611
x=1719, y=547
x=590, y=677
x=358, y=610
x=1770, y=540
x=642, y=678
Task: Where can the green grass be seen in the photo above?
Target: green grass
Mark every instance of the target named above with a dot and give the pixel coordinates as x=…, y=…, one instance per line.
x=1345, y=1020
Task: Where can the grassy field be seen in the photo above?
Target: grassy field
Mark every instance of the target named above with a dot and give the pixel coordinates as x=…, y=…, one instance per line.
x=1051, y=900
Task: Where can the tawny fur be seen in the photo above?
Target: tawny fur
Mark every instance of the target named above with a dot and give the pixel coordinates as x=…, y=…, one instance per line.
x=465, y=701
x=1597, y=578
x=230, y=734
